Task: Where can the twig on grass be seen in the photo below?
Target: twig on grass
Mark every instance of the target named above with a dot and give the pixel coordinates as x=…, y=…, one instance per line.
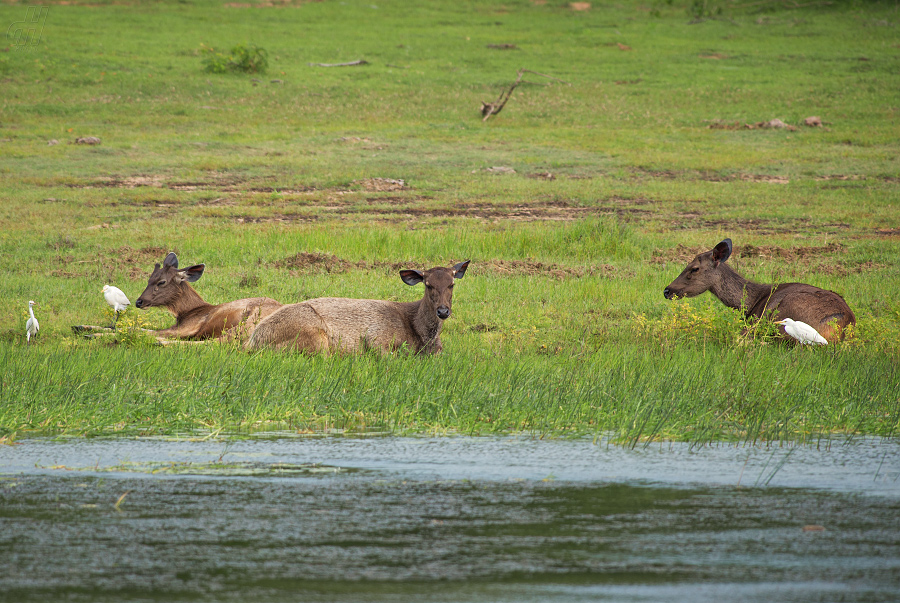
x=350, y=64
x=488, y=109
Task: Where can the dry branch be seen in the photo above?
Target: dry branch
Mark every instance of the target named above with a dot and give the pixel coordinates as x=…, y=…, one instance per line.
x=350, y=64
x=488, y=109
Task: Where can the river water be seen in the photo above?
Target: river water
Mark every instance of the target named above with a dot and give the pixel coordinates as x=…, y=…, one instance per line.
x=447, y=519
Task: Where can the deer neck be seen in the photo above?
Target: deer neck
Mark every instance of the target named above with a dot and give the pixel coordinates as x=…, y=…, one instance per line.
x=427, y=326
x=735, y=291
x=187, y=302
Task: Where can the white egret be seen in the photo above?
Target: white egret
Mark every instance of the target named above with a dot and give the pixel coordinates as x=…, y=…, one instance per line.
x=31, y=326
x=116, y=299
x=802, y=332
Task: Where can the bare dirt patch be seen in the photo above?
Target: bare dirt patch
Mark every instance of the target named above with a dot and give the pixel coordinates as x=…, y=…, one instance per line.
x=380, y=185
x=316, y=262
x=394, y=200
x=293, y=218
x=772, y=124
x=280, y=191
x=112, y=182
x=524, y=212
x=678, y=254
x=791, y=255
x=660, y=174
x=154, y=203
x=306, y=263
x=840, y=177
x=683, y=253
x=557, y=271
x=268, y=3
x=801, y=260
x=743, y=177
x=710, y=176
x=216, y=202
x=138, y=263
x=225, y=185
x=757, y=225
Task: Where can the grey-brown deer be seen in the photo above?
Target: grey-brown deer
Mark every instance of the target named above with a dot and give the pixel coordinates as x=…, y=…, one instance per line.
x=168, y=286
x=351, y=325
x=824, y=310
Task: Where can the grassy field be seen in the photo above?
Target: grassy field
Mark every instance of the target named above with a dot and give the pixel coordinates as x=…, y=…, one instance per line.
x=638, y=151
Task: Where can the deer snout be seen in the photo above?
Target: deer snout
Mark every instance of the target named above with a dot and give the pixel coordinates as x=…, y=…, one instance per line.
x=667, y=292
x=443, y=312
x=139, y=303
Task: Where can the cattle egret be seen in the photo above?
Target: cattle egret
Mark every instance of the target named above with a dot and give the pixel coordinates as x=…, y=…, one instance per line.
x=802, y=332
x=116, y=299
x=32, y=326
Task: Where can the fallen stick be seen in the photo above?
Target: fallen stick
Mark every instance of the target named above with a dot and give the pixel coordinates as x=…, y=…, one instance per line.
x=350, y=64
x=488, y=109
x=95, y=332
x=80, y=329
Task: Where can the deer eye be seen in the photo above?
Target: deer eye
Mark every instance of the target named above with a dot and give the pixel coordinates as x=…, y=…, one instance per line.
x=695, y=269
x=429, y=287
x=160, y=283
x=450, y=286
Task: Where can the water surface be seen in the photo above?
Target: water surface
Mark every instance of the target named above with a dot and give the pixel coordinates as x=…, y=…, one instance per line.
x=447, y=519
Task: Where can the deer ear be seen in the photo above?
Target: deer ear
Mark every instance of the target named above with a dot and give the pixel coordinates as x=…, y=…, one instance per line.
x=722, y=251
x=459, y=270
x=171, y=260
x=411, y=277
x=193, y=273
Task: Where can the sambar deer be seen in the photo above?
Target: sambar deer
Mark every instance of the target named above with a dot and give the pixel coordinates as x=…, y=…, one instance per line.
x=824, y=310
x=194, y=318
x=351, y=325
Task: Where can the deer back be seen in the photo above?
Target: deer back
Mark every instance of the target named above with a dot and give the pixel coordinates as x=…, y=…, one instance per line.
x=823, y=310
x=332, y=323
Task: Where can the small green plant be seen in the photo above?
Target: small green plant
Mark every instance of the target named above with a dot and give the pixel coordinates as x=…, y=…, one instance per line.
x=241, y=59
x=249, y=280
x=131, y=329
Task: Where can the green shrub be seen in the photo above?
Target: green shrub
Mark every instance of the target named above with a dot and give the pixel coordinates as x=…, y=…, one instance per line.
x=242, y=59
x=684, y=321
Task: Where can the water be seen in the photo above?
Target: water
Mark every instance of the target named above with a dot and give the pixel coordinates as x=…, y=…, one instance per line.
x=447, y=519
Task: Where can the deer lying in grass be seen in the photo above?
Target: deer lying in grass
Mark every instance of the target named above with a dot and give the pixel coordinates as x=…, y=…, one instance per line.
x=194, y=318
x=824, y=310
x=351, y=325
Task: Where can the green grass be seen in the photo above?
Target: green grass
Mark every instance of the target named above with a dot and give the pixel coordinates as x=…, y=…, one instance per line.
x=559, y=326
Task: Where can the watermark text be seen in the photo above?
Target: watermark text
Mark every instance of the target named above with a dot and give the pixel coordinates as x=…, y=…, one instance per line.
x=27, y=32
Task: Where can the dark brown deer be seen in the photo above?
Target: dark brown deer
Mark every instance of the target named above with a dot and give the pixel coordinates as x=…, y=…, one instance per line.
x=351, y=325
x=194, y=318
x=823, y=310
